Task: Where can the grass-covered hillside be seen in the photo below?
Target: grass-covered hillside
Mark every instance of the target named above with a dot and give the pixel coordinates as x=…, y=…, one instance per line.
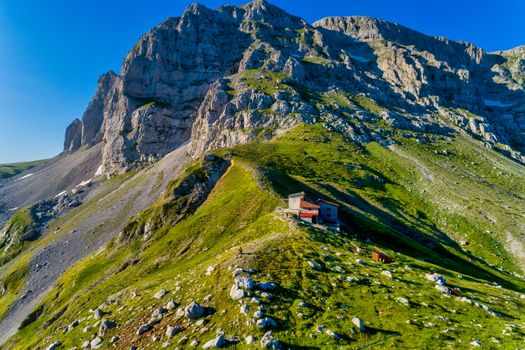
x=443, y=207
x=12, y=169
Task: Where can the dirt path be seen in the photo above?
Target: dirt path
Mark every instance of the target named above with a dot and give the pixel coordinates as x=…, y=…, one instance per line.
x=423, y=170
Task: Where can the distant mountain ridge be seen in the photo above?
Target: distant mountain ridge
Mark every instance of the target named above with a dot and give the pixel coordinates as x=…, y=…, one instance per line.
x=184, y=74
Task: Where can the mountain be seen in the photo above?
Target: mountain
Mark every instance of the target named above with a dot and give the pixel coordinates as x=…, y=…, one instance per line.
x=164, y=223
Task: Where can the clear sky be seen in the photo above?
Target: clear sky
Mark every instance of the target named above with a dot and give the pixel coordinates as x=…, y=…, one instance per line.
x=52, y=52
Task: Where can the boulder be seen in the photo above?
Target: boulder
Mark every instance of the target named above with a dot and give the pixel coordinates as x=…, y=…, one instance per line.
x=160, y=294
x=96, y=343
x=104, y=326
x=244, y=282
x=265, y=323
x=236, y=293
x=359, y=324
x=442, y=289
x=436, y=278
x=173, y=331
x=215, y=343
x=193, y=311
x=54, y=345
x=268, y=341
x=144, y=328
x=98, y=314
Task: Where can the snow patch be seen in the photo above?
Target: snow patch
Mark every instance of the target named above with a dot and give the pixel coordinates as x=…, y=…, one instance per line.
x=60, y=194
x=493, y=103
x=25, y=176
x=99, y=171
x=84, y=183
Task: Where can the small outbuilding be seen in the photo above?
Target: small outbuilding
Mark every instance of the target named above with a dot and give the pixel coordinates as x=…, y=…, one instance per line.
x=381, y=257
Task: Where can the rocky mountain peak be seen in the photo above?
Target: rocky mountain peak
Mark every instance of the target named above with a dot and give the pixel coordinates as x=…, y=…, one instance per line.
x=218, y=77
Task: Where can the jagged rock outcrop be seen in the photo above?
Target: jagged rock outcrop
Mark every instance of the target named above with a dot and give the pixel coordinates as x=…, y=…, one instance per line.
x=226, y=76
x=73, y=137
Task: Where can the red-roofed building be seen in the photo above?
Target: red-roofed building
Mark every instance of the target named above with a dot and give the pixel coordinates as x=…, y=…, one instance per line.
x=309, y=211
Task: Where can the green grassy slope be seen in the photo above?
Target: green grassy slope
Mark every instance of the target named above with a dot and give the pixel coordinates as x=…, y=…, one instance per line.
x=402, y=202
x=12, y=169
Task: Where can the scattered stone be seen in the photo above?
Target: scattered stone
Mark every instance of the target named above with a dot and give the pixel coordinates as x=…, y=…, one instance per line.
x=437, y=278
x=302, y=304
x=244, y=282
x=114, y=339
x=160, y=294
x=237, y=272
x=173, y=331
x=85, y=344
x=144, y=328
x=215, y=343
x=266, y=322
x=86, y=329
x=96, y=343
x=72, y=325
x=209, y=270
x=249, y=339
x=104, y=326
x=314, y=265
x=194, y=311
x=98, y=314
x=170, y=305
x=442, y=289
x=403, y=301
x=236, y=293
x=244, y=309
x=332, y=334
x=269, y=342
x=258, y=314
x=194, y=343
x=387, y=273
x=54, y=345
x=357, y=321
x=165, y=344
x=475, y=343
x=360, y=261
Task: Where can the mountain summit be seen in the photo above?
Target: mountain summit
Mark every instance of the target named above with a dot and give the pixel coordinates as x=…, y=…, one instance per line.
x=250, y=180
x=188, y=79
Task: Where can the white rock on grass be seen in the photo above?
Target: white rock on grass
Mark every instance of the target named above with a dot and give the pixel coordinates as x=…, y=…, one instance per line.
x=475, y=343
x=170, y=305
x=209, y=270
x=98, y=314
x=268, y=341
x=244, y=282
x=249, y=339
x=160, y=294
x=403, y=301
x=194, y=343
x=436, y=278
x=442, y=289
x=194, y=311
x=244, y=309
x=236, y=293
x=332, y=334
x=357, y=321
x=266, y=322
x=143, y=329
x=54, y=346
x=314, y=265
x=387, y=273
x=215, y=343
x=173, y=331
x=360, y=261
x=96, y=343
x=85, y=344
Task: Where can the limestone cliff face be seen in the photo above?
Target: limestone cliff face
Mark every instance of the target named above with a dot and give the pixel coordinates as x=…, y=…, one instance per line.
x=223, y=77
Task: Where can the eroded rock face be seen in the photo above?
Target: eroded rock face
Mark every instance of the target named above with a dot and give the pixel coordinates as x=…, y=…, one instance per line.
x=223, y=77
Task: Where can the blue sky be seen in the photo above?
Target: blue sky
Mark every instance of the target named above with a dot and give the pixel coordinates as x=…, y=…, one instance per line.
x=52, y=52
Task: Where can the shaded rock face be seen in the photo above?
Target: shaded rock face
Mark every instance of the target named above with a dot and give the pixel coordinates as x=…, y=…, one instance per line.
x=73, y=136
x=222, y=77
